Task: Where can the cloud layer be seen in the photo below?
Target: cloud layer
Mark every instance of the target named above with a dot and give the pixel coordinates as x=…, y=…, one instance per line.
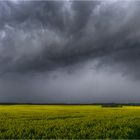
x=69, y=51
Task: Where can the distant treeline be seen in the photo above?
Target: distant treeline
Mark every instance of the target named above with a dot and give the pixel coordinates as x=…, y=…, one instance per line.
x=102, y=104
x=112, y=105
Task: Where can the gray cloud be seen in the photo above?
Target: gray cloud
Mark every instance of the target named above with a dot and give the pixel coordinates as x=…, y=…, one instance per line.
x=42, y=41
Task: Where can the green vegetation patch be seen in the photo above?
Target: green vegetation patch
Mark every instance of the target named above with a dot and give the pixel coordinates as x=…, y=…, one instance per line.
x=69, y=122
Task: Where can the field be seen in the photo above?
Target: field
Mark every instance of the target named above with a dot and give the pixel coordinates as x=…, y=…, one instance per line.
x=69, y=122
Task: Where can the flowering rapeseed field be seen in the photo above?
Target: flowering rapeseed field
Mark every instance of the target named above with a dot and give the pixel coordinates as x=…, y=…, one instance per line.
x=69, y=122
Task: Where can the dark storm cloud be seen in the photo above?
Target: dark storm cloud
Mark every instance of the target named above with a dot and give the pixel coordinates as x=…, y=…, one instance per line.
x=43, y=35
x=42, y=41
x=55, y=25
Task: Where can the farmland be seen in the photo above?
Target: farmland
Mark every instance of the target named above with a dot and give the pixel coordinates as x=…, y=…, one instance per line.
x=69, y=122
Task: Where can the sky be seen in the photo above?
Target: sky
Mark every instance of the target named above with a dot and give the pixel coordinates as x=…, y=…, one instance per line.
x=70, y=51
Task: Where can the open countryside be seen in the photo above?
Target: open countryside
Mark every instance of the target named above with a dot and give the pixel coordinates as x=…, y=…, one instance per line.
x=69, y=122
